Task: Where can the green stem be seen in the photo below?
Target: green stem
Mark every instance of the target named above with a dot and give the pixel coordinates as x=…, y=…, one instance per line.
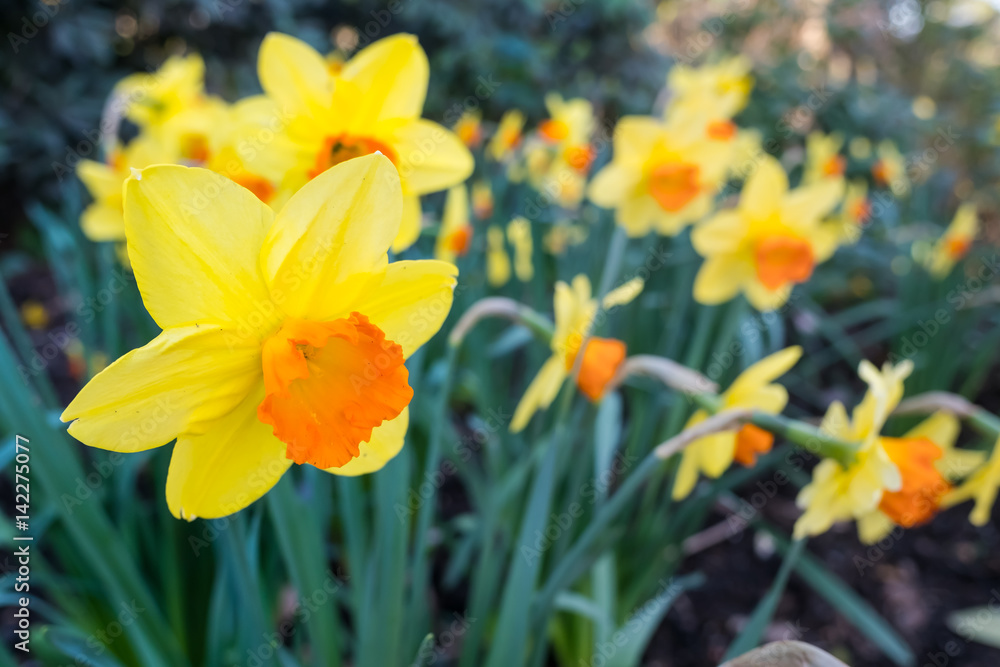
x=985, y=422
x=806, y=436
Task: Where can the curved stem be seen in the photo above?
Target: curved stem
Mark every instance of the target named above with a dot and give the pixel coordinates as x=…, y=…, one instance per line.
x=500, y=306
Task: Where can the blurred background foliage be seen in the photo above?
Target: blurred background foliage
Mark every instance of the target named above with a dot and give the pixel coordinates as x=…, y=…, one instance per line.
x=916, y=73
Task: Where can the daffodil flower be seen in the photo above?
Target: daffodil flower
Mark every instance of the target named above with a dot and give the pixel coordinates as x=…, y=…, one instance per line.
x=151, y=99
x=889, y=170
x=519, y=235
x=469, y=128
x=755, y=388
x=575, y=310
x=507, y=135
x=284, y=335
x=772, y=241
x=497, y=260
x=955, y=243
x=482, y=200
x=855, y=213
x=372, y=104
x=662, y=176
x=725, y=85
x=892, y=480
x=455, y=234
x=928, y=462
x=823, y=158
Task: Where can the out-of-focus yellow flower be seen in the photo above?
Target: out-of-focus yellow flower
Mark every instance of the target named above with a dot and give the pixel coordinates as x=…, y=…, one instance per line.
x=662, y=177
x=855, y=212
x=928, y=461
x=239, y=141
x=889, y=169
x=34, y=314
x=563, y=235
x=955, y=243
x=898, y=477
x=570, y=123
x=823, y=158
x=372, y=105
x=455, y=235
x=149, y=100
x=725, y=85
x=264, y=318
x=769, y=243
x=575, y=310
x=519, y=235
x=507, y=135
x=558, y=158
x=469, y=128
x=103, y=219
x=482, y=200
x=497, y=261
x=753, y=389
x=981, y=487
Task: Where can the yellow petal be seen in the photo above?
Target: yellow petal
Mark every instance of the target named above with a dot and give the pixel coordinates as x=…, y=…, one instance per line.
x=764, y=299
x=873, y=526
x=182, y=380
x=808, y=204
x=623, y=294
x=386, y=441
x=634, y=138
x=102, y=181
x=391, y=78
x=295, y=76
x=102, y=223
x=431, y=157
x=540, y=393
x=764, y=190
x=637, y=214
x=720, y=278
x=410, y=302
x=687, y=474
x=723, y=233
x=941, y=428
x=231, y=465
x=409, y=224
x=338, y=225
x=611, y=185
x=194, y=240
x=765, y=371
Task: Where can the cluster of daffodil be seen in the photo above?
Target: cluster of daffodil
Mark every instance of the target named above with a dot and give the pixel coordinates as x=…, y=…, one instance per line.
x=260, y=240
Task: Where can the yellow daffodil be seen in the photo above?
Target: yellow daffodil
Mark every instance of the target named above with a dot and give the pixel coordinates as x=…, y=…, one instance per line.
x=497, y=260
x=519, y=235
x=981, y=487
x=900, y=478
x=955, y=243
x=770, y=242
x=570, y=123
x=284, y=335
x=507, y=135
x=575, y=310
x=149, y=100
x=103, y=219
x=242, y=142
x=455, y=235
x=562, y=235
x=662, y=176
x=928, y=462
x=725, y=85
x=482, y=200
x=754, y=389
x=469, y=128
x=855, y=213
x=889, y=169
x=823, y=158
x=373, y=104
